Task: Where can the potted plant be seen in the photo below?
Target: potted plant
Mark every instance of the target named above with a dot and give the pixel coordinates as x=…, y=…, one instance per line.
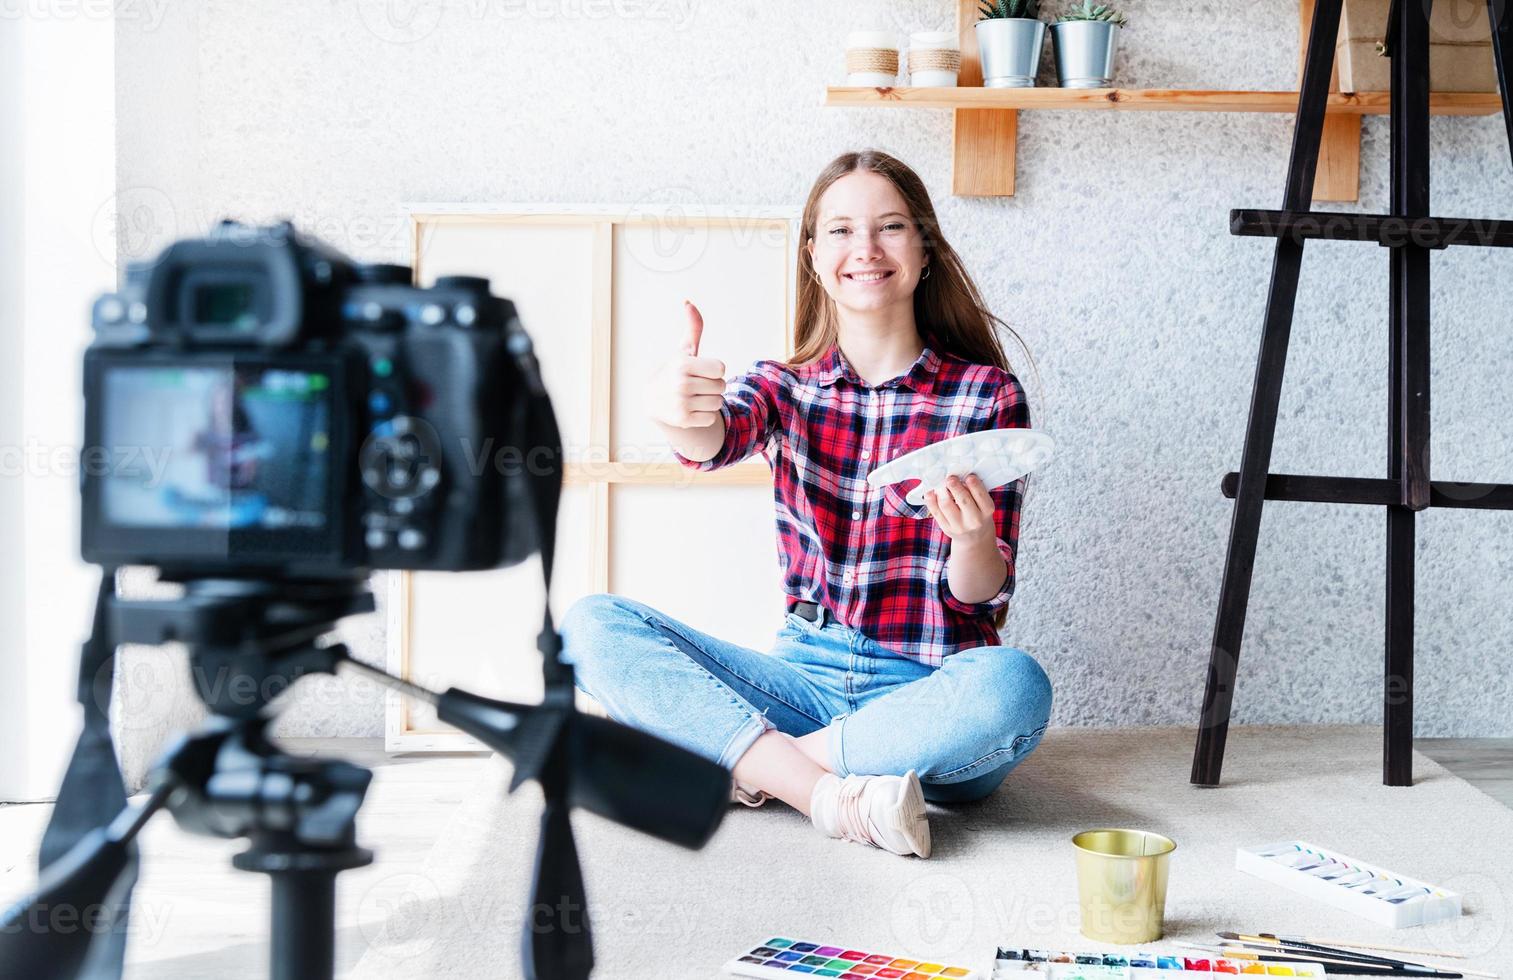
x=1084, y=41
x=1009, y=37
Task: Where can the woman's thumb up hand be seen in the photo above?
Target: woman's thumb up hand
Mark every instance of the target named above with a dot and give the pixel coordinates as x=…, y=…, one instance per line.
x=695, y=329
x=688, y=390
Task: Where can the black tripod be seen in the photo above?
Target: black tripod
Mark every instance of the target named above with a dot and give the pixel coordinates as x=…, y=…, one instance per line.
x=1411, y=234
x=251, y=639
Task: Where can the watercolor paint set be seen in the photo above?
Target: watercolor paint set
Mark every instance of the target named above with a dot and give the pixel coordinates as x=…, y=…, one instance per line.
x=1030, y=963
x=1374, y=893
x=789, y=958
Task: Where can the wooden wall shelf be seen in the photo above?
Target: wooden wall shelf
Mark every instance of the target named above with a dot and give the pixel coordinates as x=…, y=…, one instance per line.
x=986, y=122
x=1146, y=100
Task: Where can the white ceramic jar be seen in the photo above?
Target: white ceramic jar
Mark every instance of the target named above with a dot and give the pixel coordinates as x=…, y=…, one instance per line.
x=934, y=59
x=872, y=58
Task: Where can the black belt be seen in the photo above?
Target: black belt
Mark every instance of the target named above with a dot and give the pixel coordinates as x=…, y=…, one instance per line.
x=809, y=610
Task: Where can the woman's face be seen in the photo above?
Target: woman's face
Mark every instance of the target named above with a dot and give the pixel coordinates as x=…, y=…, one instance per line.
x=866, y=249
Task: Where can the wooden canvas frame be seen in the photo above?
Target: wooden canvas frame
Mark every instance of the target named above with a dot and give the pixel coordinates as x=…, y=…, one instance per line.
x=401, y=733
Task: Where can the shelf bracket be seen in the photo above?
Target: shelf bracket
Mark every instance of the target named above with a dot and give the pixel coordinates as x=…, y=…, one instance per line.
x=984, y=141
x=1338, y=177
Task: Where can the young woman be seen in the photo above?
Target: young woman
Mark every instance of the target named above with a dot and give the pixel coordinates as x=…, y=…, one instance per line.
x=886, y=685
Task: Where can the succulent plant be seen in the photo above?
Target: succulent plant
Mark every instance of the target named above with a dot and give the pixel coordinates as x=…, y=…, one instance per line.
x=995, y=9
x=1094, y=11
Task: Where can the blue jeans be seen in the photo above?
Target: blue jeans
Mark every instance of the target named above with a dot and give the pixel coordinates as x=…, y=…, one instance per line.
x=961, y=726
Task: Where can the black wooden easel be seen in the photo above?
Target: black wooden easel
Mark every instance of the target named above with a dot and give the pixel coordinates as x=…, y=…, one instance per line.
x=1411, y=234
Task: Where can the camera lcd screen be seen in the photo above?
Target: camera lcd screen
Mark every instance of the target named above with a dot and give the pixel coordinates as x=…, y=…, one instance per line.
x=232, y=446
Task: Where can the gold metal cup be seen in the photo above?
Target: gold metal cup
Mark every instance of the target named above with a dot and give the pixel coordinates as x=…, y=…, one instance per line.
x=1121, y=884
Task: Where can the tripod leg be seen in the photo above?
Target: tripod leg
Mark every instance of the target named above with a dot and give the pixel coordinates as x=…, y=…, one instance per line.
x=1501, y=19
x=1408, y=382
x=304, y=925
x=1245, y=525
x=558, y=944
x=93, y=789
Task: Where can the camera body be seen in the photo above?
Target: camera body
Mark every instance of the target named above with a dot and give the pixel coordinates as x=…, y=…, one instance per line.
x=256, y=403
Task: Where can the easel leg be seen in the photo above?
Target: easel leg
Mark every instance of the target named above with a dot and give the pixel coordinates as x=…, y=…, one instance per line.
x=1245, y=525
x=1408, y=382
x=1501, y=19
x=1397, y=694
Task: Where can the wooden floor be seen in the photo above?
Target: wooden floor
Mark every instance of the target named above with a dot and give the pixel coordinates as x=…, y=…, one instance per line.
x=205, y=920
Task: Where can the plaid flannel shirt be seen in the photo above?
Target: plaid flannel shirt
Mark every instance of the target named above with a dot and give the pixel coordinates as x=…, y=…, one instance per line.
x=875, y=561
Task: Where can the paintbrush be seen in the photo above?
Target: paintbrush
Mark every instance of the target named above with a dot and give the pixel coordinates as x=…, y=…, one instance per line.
x=1274, y=942
x=1378, y=946
x=1345, y=959
x=1331, y=966
x=1334, y=967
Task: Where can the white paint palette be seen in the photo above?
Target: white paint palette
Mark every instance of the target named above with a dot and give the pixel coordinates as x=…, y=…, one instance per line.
x=1385, y=897
x=997, y=456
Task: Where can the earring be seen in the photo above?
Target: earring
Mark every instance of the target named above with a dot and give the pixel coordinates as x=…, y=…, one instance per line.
x=926, y=273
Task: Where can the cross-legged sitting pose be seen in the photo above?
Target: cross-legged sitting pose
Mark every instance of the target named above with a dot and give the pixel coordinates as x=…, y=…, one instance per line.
x=887, y=684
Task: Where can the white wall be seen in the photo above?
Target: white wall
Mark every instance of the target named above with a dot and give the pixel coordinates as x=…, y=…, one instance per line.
x=1113, y=260
x=14, y=720
x=57, y=180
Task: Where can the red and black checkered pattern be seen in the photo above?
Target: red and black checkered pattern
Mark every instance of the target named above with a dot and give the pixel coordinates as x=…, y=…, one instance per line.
x=875, y=561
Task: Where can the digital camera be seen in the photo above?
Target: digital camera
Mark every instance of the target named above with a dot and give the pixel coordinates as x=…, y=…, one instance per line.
x=257, y=403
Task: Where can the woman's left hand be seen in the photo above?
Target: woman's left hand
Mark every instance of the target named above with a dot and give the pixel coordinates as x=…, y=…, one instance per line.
x=963, y=509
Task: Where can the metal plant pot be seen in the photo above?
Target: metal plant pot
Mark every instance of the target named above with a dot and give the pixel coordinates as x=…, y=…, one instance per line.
x=1084, y=52
x=1009, y=49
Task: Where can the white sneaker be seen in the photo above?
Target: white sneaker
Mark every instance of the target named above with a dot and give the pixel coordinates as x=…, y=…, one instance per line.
x=749, y=795
x=884, y=811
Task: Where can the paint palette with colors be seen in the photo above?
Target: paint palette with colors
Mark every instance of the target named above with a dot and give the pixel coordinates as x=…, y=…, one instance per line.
x=1012, y=964
x=790, y=958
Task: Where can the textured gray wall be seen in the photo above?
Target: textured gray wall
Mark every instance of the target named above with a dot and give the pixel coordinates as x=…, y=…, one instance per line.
x=1113, y=261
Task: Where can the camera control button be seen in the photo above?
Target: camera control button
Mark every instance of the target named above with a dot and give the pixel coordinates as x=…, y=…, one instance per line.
x=432, y=314
x=383, y=272
x=382, y=366
x=466, y=314
x=376, y=538
x=476, y=284
x=112, y=310
x=411, y=539
x=373, y=315
x=429, y=477
x=379, y=403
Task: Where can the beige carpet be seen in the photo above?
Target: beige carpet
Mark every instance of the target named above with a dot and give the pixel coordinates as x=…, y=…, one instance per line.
x=1001, y=872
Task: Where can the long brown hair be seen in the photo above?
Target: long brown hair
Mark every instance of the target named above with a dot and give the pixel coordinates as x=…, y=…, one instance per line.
x=948, y=310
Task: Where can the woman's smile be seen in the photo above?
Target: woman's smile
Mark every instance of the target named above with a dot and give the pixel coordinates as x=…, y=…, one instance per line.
x=869, y=278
